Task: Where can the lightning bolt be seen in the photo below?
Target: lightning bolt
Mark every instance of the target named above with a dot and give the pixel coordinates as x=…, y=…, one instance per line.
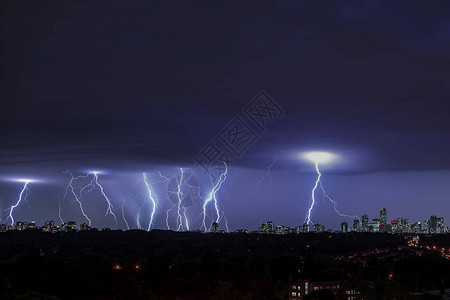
x=25, y=190
x=267, y=174
x=179, y=195
x=123, y=215
x=308, y=215
x=76, y=197
x=335, y=204
x=167, y=212
x=167, y=218
x=110, y=206
x=152, y=199
x=131, y=197
x=186, y=219
x=212, y=196
x=226, y=220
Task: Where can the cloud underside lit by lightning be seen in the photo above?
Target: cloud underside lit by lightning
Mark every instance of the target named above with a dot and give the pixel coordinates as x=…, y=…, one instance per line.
x=212, y=197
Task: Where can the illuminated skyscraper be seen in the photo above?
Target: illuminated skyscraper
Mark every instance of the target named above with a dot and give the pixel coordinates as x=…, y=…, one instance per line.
x=215, y=227
x=21, y=225
x=416, y=227
x=356, y=225
x=376, y=225
x=440, y=225
x=383, y=216
x=426, y=226
x=365, y=222
x=263, y=228
x=344, y=227
x=271, y=227
x=406, y=225
x=433, y=224
x=305, y=228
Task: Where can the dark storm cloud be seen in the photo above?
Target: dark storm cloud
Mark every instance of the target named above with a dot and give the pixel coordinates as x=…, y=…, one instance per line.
x=130, y=83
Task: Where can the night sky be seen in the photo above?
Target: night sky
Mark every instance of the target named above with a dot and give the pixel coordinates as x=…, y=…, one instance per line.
x=131, y=87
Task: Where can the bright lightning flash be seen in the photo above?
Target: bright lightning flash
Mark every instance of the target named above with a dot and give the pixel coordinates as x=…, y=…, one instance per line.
x=180, y=198
x=212, y=196
x=76, y=197
x=167, y=212
x=152, y=199
x=110, y=206
x=308, y=214
x=25, y=190
x=316, y=158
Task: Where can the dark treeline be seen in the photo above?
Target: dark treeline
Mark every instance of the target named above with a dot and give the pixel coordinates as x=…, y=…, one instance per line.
x=171, y=265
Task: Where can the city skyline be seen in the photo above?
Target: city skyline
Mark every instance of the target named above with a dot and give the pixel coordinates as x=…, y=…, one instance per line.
x=432, y=225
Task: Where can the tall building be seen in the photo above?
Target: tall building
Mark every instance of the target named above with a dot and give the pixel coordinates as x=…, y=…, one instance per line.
x=433, y=223
x=383, y=215
x=400, y=225
x=48, y=226
x=416, y=227
x=263, y=228
x=344, y=227
x=395, y=226
x=271, y=226
x=440, y=225
x=376, y=225
x=426, y=226
x=305, y=228
x=365, y=222
x=215, y=227
x=268, y=227
x=355, y=225
x=21, y=225
x=405, y=225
